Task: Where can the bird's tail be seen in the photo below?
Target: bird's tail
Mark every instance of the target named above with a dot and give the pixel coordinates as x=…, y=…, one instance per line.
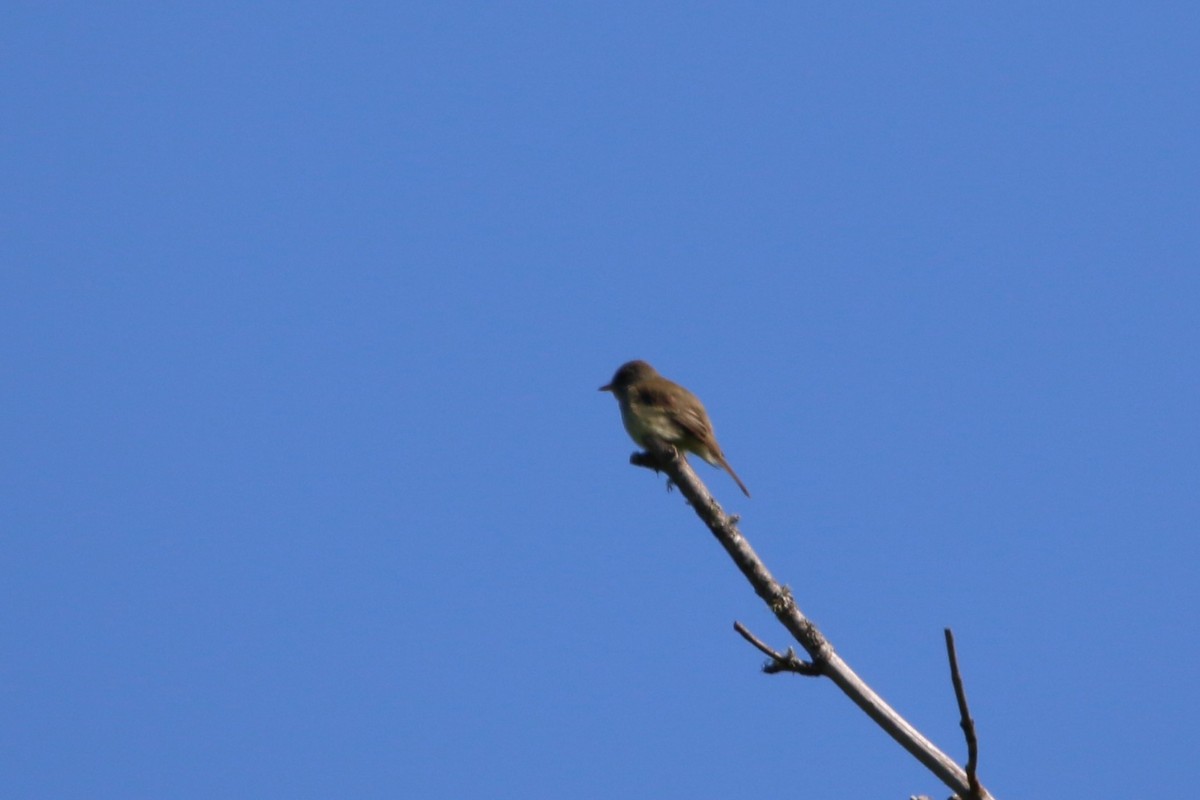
x=732, y=474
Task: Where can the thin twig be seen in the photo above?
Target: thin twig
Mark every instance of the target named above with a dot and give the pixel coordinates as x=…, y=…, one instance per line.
x=780, y=662
x=965, y=721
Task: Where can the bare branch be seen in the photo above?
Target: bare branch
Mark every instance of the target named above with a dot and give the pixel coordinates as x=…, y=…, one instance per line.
x=780, y=662
x=662, y=457
x=967, y=724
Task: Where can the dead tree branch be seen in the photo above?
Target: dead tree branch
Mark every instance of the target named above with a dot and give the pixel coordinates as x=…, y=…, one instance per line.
x=660, y=456
x=965, y=721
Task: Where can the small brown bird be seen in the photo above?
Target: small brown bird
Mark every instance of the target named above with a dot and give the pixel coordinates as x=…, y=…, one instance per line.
x=652, y=405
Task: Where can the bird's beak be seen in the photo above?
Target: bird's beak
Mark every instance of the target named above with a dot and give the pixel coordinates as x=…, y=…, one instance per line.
x=606, y=387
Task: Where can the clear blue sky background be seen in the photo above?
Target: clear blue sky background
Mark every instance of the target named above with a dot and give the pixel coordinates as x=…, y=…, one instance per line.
x=308, y=491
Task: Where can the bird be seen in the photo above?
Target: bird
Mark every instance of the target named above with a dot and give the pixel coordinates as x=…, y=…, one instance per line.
x=652, y=405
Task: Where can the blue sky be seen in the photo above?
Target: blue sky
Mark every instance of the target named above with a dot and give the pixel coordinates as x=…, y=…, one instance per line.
x=309, y=492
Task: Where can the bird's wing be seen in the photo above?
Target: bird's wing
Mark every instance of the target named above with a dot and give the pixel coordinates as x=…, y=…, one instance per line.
x=690, y=417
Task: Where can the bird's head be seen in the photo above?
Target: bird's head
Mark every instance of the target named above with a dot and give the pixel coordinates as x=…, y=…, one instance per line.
x=628, y=374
